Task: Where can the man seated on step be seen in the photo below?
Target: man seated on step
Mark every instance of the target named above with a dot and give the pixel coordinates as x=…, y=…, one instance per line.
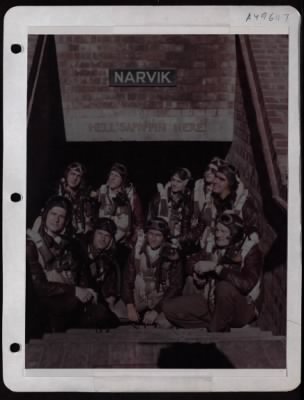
x=228, y=286
x=154, y=274
x=100, y=257
x=58, y=277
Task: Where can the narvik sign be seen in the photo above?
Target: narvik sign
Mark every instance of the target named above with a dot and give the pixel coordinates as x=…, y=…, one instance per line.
x=142, y=77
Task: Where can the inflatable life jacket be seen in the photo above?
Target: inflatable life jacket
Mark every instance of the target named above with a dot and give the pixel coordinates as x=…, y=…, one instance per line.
x=59, y=267
x=201, y=196
x=173, y=210
x=118, y=208
x=82, y=207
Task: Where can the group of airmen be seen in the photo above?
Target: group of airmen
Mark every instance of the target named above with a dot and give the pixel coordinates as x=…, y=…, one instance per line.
x=96, y=260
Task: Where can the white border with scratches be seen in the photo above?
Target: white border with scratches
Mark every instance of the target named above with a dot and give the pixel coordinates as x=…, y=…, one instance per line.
x=24, y=20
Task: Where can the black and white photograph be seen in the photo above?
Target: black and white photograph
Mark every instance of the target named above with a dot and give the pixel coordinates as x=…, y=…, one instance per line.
x=157, y=200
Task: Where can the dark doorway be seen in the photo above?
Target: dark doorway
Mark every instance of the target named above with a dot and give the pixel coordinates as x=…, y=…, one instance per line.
x=147, y=162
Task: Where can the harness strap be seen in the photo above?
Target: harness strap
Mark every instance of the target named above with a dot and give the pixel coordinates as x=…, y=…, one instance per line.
x=42, y=248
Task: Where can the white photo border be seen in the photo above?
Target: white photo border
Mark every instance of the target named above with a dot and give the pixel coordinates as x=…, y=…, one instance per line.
x=24, y=20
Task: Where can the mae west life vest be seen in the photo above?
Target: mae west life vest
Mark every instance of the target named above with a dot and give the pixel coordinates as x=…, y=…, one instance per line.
x=56, y=269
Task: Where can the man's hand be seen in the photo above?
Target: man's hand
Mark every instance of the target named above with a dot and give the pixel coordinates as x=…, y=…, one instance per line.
x=85, y=294
x=132, y=313
x=201, y=267
x=150, y=317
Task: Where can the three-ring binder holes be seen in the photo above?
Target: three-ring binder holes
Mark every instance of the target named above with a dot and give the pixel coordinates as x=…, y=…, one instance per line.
x=15, y=197
x=15, y=347
x=16, y=48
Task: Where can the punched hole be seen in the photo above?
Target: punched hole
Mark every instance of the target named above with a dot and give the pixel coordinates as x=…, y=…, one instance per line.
x=16, y=48
x=15, y=197
x=15, y=347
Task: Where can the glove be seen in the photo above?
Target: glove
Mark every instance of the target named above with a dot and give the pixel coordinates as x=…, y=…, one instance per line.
x=132, y=313
x=37, y=224
x=85, y=294
x=201, y=267
x=35, y=236
x=150, y=317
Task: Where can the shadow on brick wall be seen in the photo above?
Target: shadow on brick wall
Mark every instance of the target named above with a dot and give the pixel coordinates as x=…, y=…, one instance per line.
x=247, y=154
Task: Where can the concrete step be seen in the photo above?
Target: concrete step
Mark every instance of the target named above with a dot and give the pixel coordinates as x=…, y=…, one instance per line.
x=129, y=347
x=244, y=354
x=139, y=334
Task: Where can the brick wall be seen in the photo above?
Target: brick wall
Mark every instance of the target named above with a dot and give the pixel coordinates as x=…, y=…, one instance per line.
x=270, y=54
x=243, y=157
x=246, y=154
x=204, y=94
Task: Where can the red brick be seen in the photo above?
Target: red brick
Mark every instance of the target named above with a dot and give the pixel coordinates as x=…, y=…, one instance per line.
x=281, y=143
x=282, y=151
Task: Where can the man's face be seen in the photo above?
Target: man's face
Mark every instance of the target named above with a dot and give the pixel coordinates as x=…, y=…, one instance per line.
x=221, y=184
x=74, y=178
x=222, y=235
x=210, y=172
x=114, y=180
x=101, y=239
x=177, y=184
x=55, y=219
x=154, y=238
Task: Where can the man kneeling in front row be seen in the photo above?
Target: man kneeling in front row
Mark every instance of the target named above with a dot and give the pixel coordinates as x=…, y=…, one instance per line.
x=228, y=287
x=59, y=279
x=154, y=275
